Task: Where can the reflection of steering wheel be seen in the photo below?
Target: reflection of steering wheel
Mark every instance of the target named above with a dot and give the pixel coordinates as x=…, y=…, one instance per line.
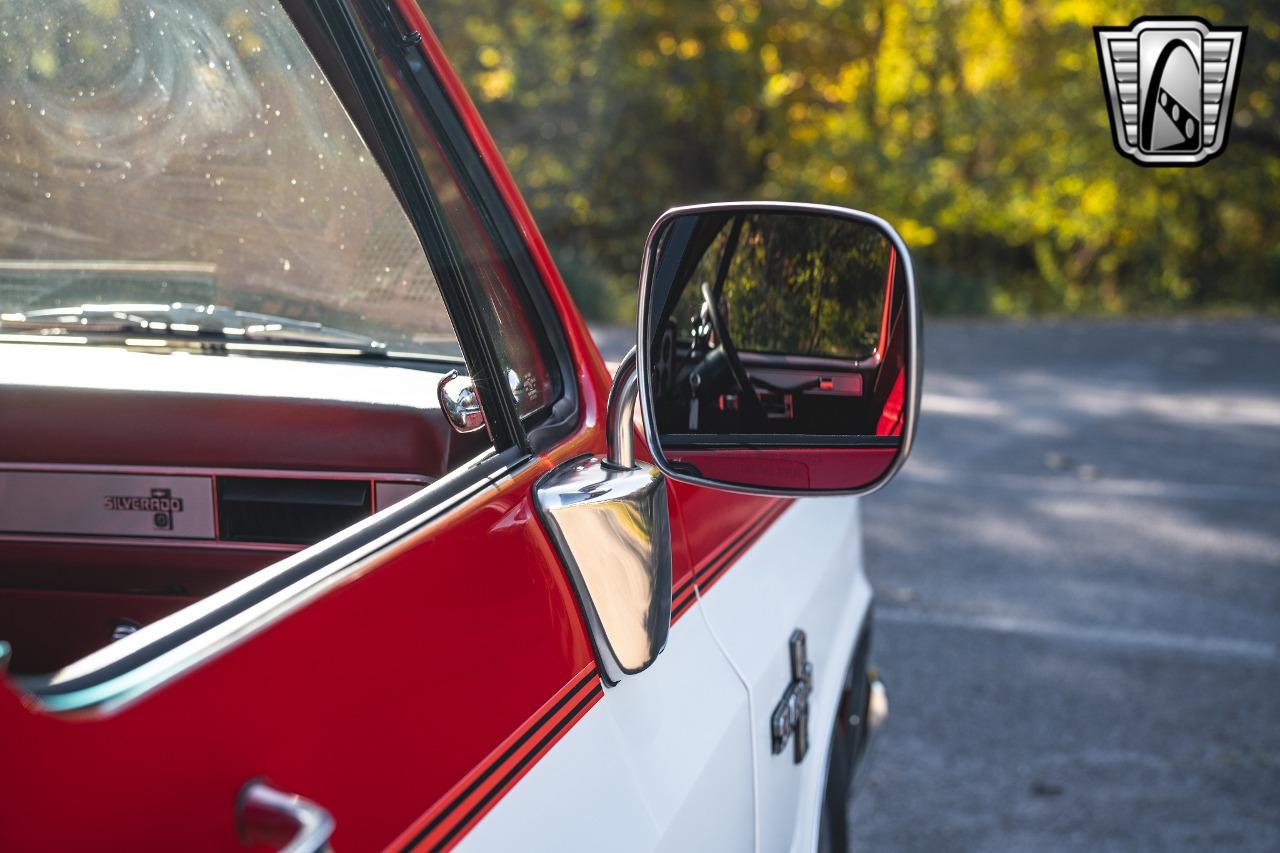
x=748, y=402
x=664, y=361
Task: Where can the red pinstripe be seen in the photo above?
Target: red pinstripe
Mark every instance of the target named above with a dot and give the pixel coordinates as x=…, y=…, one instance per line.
x=475, y=794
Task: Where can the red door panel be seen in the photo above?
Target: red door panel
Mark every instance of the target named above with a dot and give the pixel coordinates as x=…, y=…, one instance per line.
x=683, y=592
x=373, y=700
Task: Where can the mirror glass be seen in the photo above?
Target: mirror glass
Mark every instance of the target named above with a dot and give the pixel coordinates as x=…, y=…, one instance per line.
x=776, y=347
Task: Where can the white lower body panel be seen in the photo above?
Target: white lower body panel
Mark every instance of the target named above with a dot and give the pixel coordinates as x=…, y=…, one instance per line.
x=662, y=762
x=805, y=572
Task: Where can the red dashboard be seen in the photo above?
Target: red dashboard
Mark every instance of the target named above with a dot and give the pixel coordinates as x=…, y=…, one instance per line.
x=133, y=483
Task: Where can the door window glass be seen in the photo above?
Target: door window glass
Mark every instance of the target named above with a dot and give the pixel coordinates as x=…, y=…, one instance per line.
x=492, y=266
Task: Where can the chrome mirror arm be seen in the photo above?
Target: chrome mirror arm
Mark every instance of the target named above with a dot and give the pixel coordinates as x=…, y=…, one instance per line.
x=619, y=419
x=609, y=521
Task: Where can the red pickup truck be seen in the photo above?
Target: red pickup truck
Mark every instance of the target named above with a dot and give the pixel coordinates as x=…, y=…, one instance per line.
x=323, y=522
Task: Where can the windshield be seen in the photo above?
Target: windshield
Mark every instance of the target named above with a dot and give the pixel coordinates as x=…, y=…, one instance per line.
x=173, y=151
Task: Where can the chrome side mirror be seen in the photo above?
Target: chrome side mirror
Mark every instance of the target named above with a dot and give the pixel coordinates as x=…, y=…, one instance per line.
x=778, y=348
x=777, y=355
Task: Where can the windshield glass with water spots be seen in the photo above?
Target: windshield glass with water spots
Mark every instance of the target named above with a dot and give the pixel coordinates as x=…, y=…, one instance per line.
x=172, y=151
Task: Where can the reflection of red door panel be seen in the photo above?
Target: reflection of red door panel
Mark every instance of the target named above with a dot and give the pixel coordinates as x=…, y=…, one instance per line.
x=890, y=422
x=890, y=377
x=827, y=468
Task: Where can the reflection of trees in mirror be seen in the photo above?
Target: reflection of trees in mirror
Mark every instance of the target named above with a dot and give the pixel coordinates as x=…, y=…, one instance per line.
x=800, y=284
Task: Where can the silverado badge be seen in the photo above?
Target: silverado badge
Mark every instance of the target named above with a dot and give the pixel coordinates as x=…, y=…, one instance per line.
x=161, y=504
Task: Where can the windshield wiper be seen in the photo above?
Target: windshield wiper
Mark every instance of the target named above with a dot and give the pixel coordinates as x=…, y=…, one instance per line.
x=181, y=322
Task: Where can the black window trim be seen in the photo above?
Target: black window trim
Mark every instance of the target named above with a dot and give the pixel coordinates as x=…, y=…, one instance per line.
x=556, y=419
x=404, y=171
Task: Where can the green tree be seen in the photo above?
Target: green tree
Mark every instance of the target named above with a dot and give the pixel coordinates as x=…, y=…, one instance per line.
x=977, y=127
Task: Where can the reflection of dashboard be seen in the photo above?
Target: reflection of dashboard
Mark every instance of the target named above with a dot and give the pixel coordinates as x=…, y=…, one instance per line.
x=133, y=482
x=797, y=394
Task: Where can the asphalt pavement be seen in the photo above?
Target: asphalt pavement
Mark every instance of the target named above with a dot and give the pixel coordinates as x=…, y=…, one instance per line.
x=1078, y=583
x=1078, y=577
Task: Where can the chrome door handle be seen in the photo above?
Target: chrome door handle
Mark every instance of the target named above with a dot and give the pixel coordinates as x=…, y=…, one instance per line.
x=265, y=815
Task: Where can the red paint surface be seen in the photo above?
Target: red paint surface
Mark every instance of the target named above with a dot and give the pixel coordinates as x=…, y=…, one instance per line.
x=476, y=793
x=829, y=468
x=890, y=422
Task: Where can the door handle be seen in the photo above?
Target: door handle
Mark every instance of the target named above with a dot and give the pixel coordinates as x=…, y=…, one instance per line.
x=265, y=815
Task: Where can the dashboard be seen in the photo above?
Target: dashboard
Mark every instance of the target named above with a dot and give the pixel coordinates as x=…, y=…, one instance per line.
x=134, y=482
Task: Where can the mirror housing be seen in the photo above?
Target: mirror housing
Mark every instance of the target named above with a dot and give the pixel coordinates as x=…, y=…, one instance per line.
x=810, y=415
x=777, y=348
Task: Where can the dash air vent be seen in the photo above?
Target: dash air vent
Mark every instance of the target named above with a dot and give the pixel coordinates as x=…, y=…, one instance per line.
x=296, y=512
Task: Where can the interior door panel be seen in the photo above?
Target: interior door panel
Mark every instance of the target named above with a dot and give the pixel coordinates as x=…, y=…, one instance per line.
x=48, y=629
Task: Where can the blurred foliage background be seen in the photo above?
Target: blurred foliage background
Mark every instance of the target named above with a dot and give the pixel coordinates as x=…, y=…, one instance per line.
x=977, y=127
